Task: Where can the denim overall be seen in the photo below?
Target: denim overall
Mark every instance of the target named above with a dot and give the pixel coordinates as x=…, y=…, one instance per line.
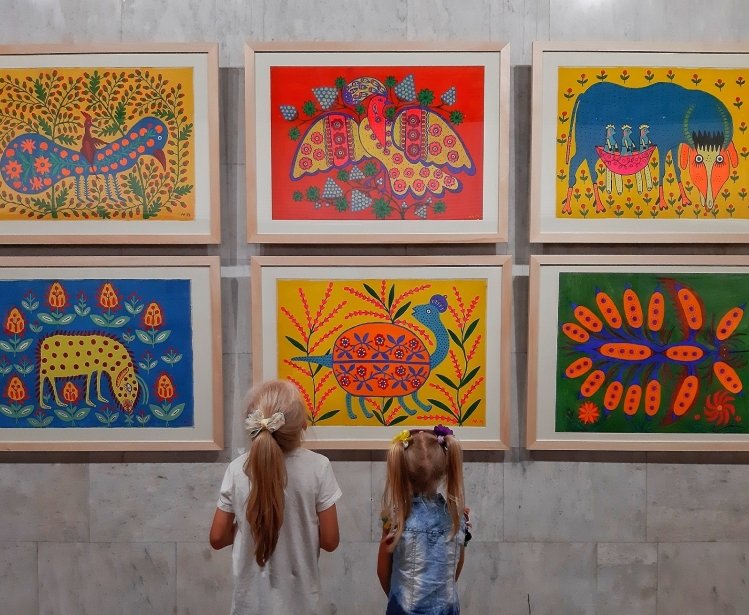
x=424, y=562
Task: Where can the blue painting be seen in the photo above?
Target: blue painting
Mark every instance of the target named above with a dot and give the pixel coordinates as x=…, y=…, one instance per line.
x=96, y=353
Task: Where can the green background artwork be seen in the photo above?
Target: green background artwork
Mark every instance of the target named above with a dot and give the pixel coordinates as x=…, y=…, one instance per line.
x=685, y=375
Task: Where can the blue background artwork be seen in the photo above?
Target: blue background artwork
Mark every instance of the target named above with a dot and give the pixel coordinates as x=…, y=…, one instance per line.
x=150, y=318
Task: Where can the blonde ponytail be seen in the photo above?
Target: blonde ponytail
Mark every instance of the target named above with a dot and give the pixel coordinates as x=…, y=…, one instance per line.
x=265, y=466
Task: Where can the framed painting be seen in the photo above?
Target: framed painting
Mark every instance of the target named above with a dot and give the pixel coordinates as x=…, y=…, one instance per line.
x=110, y=353
x=115, y=144
x=639, y=144
x=359, y=144
x=638, y=353
x=376, y=345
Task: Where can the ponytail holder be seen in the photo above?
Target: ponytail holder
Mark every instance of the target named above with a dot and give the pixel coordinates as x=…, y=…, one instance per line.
x=256, y=422
x=442, y=432
x=404, y=437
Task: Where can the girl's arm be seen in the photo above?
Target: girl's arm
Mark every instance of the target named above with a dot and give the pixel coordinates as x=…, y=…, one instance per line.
x=222, y=529
x=385, y=561
x=329, y=536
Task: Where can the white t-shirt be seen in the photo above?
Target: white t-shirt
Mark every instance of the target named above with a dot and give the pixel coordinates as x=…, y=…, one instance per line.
x=289, y=583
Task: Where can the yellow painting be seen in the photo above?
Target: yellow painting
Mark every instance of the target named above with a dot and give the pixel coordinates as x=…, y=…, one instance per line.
x=97, y=143
x=383, y=352
x=634, y=142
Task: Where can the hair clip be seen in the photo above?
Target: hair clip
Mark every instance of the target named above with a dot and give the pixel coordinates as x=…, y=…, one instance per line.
x=404, y=437
x=442, y=432
x=256, y=422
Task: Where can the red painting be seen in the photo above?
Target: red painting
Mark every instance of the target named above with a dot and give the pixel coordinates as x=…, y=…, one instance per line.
x=377, y=142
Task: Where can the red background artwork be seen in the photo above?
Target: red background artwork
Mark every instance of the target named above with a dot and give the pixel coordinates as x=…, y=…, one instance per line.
x=293, y=85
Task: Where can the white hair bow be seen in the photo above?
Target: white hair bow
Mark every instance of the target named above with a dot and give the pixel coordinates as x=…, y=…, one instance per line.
x=256, y=422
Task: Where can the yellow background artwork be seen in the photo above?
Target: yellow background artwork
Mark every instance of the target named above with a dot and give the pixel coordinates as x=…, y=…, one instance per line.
x=45, y=111
x=313, y=316
x=728, y=85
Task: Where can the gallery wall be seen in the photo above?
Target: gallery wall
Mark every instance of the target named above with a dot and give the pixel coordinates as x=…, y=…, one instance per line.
x=566, y=532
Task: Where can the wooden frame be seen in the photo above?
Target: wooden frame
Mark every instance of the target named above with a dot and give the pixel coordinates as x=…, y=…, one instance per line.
x=378, y=315
x=103, y=144
x=636, y=143
x=645, y=353
x=445, y=181
x=110, y=353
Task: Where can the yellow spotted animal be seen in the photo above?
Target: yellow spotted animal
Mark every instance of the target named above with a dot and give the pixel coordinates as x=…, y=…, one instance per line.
x=66, y=355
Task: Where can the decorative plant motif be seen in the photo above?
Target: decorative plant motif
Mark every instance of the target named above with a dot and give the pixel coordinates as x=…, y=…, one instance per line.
x=165, y=391
x=153, y=319
x=71, y=413
x=15, y=324
x=16, y=393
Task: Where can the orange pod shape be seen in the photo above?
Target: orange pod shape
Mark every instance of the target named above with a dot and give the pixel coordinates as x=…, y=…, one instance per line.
x=691, y=308
x=656, y=311
x=588, y=319
x=684, y=352
x=728, y=377
x=624, y=351
x=613, y=395
x=579, y=367
x=632, y=308
x=686, y=395
x=728, y=323
x=608, y=309
x=632, y=399
x=592, y=383
x=575, y=332
x=652, y=397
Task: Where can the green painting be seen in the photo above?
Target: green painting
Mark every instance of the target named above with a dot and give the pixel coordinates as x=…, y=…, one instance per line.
x=653, y=353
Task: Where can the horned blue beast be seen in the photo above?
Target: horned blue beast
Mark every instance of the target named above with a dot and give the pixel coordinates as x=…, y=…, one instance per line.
x=693, y=125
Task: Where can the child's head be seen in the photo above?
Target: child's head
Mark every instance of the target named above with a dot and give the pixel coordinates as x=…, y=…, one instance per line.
x=418, y=462
x=265, y=402
x=275, y=420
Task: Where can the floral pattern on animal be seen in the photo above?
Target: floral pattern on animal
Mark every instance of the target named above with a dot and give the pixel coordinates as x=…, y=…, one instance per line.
x=93, y=353
x=651, y=353
x=382, y=352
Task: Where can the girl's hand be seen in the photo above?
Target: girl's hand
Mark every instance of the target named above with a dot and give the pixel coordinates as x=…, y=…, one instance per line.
x=468, y=536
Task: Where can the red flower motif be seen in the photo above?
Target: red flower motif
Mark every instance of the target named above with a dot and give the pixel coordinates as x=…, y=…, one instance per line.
x=588, y=412
x=718, y=408
x=165, y=388
x=152, y=316
x=108, y=298
x=56, y=297
x=42, y=165
x=15, y=323
x=13, y=169
x=15, y=389
x=70, y=393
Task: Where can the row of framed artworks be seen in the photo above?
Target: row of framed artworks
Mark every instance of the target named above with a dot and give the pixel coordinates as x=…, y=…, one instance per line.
x=125, y=353
x=361, y=143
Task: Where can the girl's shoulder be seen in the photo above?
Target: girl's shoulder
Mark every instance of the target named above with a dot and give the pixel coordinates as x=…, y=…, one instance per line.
x=307, y=456
x=237, y=464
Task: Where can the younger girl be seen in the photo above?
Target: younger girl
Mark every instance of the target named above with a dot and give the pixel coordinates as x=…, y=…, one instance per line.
x=423, y=537
x=277, y=507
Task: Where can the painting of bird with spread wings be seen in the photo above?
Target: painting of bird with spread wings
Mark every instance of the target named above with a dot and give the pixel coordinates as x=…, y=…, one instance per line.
x=372, y=145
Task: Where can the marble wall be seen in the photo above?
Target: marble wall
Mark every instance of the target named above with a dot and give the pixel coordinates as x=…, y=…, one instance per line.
x=563, y=533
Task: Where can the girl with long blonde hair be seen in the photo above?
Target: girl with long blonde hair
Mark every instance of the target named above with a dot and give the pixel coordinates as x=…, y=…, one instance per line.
x=277, y=508
x=424, y=532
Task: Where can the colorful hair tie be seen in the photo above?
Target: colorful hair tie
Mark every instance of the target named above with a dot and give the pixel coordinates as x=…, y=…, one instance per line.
x=442, y=432
x=404, y=437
